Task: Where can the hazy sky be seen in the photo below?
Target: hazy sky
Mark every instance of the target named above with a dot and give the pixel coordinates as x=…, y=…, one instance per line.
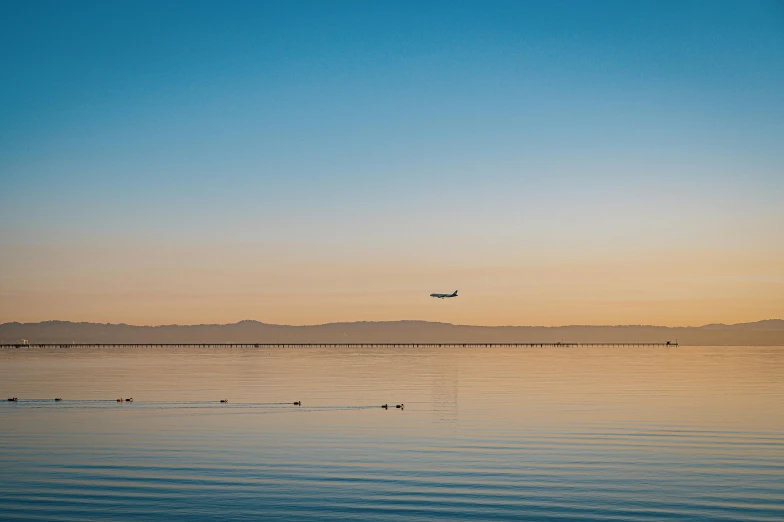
x=557, y=162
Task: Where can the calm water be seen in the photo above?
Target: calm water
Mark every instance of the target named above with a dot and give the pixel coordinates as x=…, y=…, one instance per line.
x=486, y=434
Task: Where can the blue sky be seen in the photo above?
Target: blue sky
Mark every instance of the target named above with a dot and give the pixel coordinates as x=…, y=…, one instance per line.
x=347, y=130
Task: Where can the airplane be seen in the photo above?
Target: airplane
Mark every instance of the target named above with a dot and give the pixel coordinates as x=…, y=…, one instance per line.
x=444, y=296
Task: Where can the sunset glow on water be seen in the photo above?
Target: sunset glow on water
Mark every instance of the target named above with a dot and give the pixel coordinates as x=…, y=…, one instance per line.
x=494, y=433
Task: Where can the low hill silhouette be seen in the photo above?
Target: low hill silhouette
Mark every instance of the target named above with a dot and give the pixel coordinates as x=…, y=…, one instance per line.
x=761, y=333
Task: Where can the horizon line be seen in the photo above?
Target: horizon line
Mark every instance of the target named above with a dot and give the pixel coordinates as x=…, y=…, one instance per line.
x=388, y=322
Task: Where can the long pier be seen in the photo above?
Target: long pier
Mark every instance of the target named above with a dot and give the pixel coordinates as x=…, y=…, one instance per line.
x=335, y=345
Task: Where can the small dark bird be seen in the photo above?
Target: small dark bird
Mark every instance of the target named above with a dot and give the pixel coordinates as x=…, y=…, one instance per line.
x=298, y=403
x=129, y=400
x=224, y=401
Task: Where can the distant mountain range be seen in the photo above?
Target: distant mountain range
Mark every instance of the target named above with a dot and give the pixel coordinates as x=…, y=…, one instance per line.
x=761, y=333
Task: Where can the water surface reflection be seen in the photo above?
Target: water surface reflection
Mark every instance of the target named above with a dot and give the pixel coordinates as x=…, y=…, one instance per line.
x=491, y=433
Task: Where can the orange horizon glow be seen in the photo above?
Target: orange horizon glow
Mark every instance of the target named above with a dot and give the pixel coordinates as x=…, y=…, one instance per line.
x=159, y=285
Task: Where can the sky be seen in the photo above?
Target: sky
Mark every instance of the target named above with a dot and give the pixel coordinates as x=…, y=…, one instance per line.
x=310, y=162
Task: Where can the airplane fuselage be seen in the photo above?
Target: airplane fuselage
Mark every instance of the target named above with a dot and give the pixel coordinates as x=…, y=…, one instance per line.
x=444, y=296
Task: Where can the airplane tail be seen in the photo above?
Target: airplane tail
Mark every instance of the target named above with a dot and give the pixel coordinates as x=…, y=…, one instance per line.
x=455, y=294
